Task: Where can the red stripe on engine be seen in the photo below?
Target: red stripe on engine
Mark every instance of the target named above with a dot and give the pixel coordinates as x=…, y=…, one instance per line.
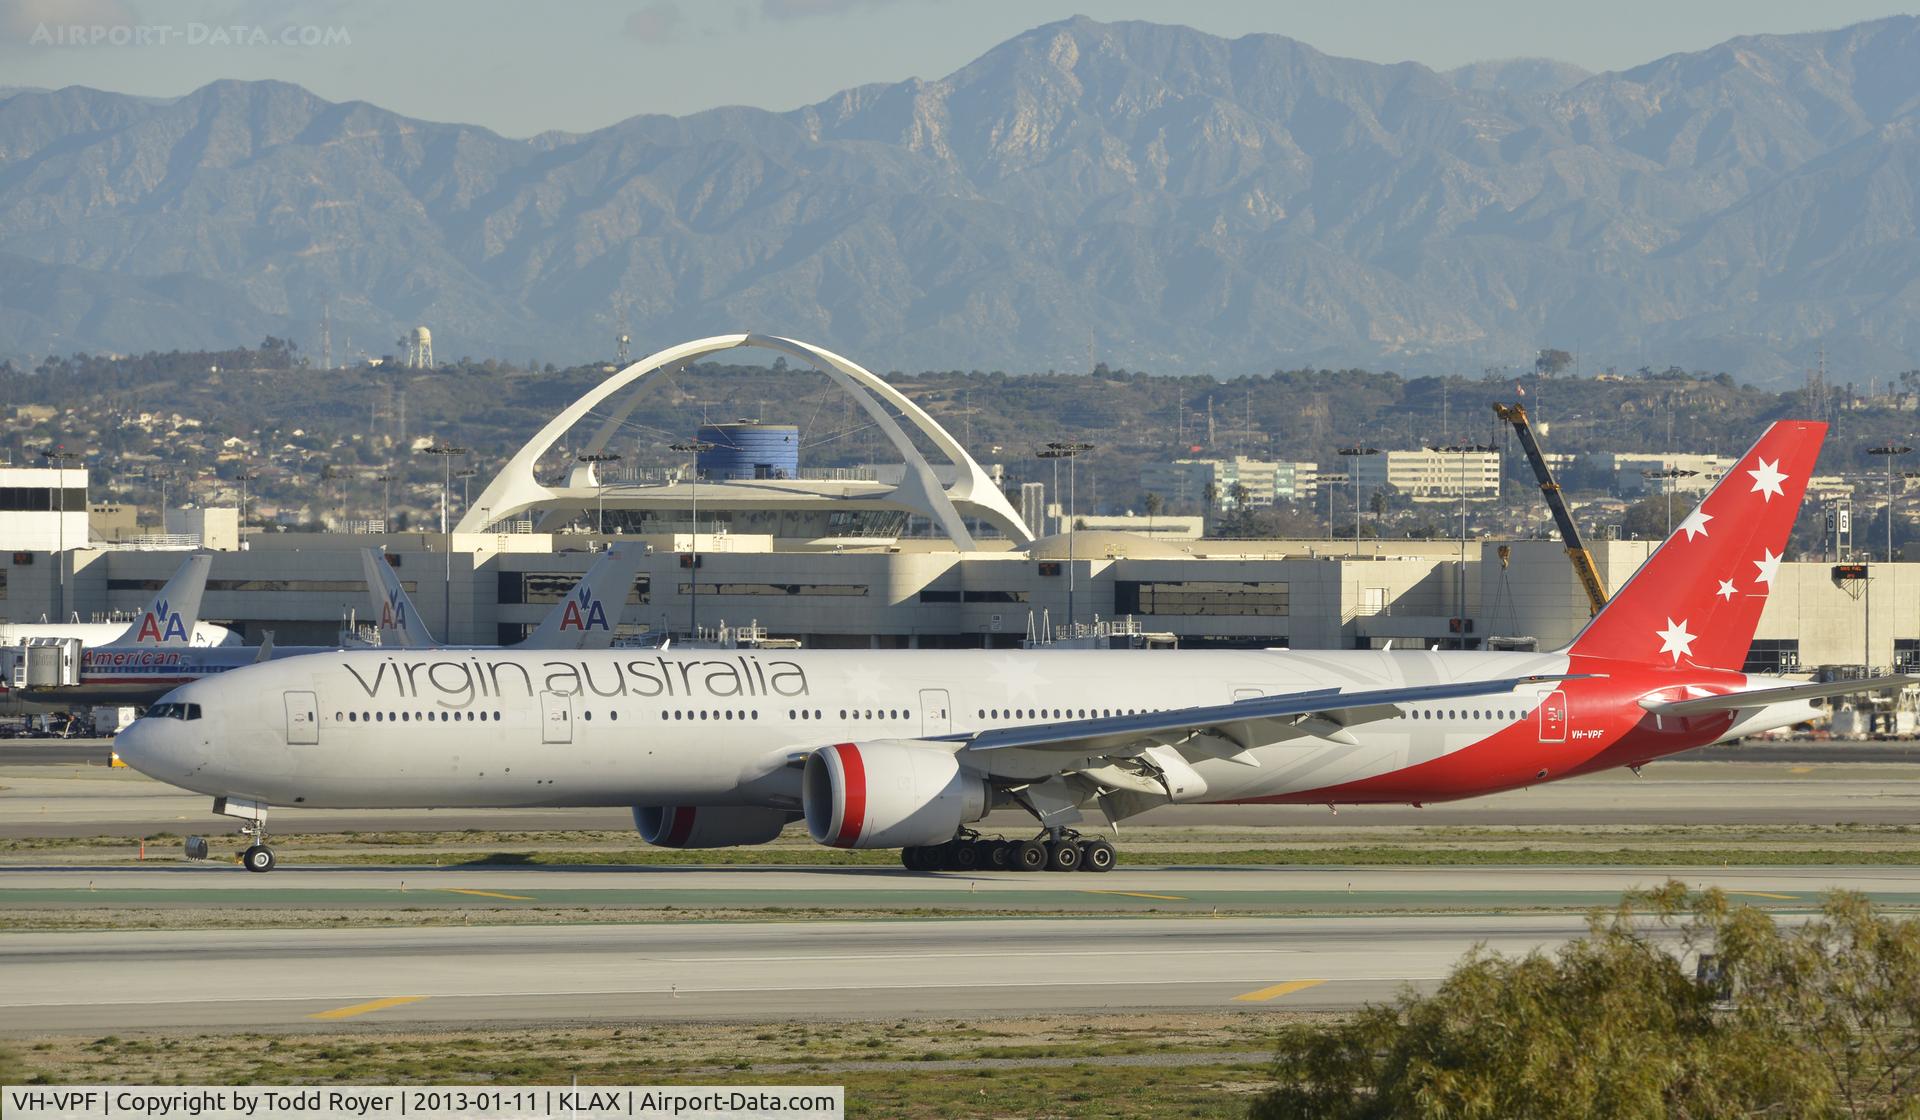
x=680, y=827
x=853, y=786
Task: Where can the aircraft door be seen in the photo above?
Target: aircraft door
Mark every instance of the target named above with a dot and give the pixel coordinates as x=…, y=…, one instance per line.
x=556, y=717
x=303, y=719
x=936, y=712
x=1553, y=718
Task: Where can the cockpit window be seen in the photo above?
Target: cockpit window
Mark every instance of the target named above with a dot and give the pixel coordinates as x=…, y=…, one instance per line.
x=174, y=710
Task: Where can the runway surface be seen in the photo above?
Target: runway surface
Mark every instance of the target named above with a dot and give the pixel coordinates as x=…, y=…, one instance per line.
x=80, y=800
x=1166, y=952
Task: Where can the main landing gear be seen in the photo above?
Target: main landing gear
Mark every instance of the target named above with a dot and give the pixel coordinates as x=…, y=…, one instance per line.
x=1056, y=850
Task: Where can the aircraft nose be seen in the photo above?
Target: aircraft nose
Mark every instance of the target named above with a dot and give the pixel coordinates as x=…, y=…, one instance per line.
x=161, y=748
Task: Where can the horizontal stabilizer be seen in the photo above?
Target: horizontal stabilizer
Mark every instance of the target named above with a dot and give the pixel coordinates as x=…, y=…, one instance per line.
x=1761, y=697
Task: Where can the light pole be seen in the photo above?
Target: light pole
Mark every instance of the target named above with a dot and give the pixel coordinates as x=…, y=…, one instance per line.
x=593, y=459
x=1352, y=455
x=243, y=478
x=1889, y=451
x=1672, y=475
x=386, y=482
x=1460, y=487
x=446, y=452
x=465, y=475
x=1070, y=450
x=59, y=457
x=695, y=448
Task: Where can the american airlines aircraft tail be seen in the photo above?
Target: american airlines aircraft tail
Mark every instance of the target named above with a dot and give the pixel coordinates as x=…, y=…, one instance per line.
x=909, y=750
x=400, y=625
x=585, y=619
x=169, y=617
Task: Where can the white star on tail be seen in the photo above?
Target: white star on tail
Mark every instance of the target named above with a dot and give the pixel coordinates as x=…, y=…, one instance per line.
x=1696, y=522
x=1767, y=480
x=1769, y=565
x=1727, y=589
x=1675, y=639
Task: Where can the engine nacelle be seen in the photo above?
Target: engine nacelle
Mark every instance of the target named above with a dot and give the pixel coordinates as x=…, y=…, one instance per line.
x=889, y=795
x=708, y=826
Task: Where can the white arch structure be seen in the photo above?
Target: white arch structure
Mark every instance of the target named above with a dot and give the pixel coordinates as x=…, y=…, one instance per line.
x=515, y=489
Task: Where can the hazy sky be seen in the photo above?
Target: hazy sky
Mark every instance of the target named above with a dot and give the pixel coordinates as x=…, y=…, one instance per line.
x=522, y=67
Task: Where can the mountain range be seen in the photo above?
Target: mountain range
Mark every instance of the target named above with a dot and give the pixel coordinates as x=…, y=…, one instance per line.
x=1141, y=194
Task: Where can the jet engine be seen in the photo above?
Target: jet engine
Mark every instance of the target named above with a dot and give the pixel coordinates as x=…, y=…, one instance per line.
x=889, y=794
x=708, y=826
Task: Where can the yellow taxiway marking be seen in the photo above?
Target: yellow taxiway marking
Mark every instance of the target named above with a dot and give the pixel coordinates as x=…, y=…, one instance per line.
x=1278, y=990
x=1801, y=770
x=1143, y=894
x=363, y=1008
x=1766, y=894
x=491, y=894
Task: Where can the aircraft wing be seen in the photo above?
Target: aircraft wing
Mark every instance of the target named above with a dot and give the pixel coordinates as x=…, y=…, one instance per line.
x=1322, y=713
x=1761, y=697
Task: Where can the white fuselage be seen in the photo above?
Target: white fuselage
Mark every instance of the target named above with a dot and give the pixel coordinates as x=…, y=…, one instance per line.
x=455, y=728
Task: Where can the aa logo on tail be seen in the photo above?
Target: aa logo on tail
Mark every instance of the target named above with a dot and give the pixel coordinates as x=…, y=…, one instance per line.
x=584, y=612
x=394, y=615
x=161, y=624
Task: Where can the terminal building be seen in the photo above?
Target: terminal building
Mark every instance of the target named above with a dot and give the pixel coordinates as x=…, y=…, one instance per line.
x=925, y=555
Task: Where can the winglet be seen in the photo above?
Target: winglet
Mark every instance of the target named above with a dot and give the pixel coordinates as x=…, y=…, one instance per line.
x=169, y=617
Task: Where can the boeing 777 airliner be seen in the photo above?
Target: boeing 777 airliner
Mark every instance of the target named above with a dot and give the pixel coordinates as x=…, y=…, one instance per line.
x=907, y=750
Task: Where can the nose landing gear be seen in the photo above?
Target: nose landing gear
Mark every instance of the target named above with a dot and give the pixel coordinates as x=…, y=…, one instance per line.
x=253, y=817
x=258, y=857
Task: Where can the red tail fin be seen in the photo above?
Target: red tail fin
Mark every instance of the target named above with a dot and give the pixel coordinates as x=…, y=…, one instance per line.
x=1698, y=598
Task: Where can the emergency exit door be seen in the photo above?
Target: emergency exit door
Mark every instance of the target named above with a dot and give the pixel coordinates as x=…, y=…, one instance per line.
x=1553, y=718
x=556, y=717
x=303, y=719
x=936, y=718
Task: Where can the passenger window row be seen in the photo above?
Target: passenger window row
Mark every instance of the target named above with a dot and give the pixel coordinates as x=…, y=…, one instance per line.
x=876, y=713
x=413, y=717
x=1476, y=713
x=1062, y=713
x=728, y=713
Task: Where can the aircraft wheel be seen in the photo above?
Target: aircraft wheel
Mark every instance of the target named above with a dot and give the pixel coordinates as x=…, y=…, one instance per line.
x=910, y=859
x=962, y=855
x=1030, y=855
x=1063, y=855
x=999, y=855
x=1096, y=855
x=258, y=858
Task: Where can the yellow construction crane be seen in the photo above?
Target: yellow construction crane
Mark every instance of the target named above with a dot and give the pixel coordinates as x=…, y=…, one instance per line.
x=1583, y=565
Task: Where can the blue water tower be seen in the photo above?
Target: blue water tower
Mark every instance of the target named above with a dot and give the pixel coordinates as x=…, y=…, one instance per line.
x=750, y=449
